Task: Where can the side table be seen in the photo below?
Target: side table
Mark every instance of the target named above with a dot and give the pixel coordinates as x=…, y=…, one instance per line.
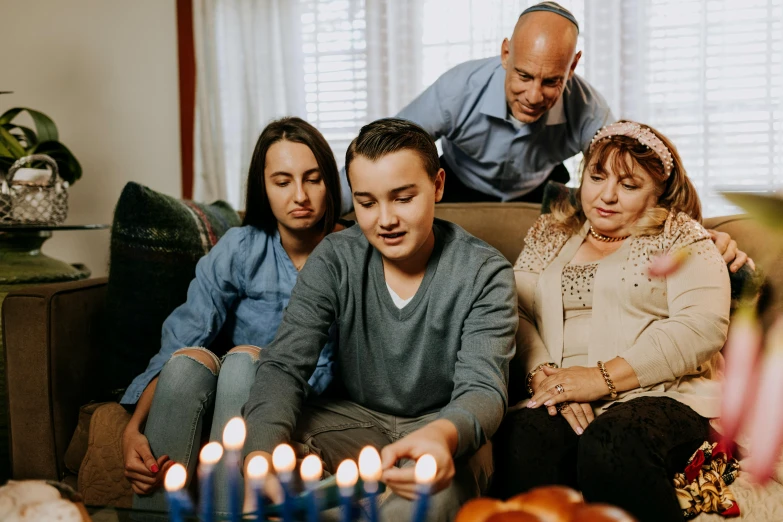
x=22, y=263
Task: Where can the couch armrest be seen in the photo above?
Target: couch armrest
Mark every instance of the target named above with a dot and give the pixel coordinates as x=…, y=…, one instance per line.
x=51, y=335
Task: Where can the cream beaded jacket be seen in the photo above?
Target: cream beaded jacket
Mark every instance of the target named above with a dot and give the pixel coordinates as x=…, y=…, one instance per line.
x=670, y=330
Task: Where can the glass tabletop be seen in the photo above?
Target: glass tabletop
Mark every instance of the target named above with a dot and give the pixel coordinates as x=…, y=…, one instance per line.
x=50, y=228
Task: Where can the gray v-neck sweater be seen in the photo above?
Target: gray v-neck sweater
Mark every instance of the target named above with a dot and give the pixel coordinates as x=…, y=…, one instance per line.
x=448, y=350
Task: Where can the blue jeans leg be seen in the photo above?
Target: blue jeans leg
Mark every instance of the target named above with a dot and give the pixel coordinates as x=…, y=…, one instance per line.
x=237, y=374
x=185, y=390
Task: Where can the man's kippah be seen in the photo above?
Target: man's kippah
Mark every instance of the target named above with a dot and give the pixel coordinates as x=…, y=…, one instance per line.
x=552, y=7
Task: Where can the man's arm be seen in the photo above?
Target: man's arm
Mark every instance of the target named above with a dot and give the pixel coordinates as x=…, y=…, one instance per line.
x=275, y=400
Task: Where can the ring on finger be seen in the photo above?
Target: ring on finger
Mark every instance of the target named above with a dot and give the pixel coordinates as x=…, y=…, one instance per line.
x=563, y=407
x=559, y=388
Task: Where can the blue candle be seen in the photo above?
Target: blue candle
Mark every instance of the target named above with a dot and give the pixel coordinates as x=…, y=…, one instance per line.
x=257, y=470
x=347, y=475
x=284, y=462
x=177, y=498
x=233, y=440
x=425, y=471
x=370, y=471
x=311, y=471
x=209, y=456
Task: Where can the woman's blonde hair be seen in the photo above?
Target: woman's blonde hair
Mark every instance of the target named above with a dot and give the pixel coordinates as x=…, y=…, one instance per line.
x=622, y=154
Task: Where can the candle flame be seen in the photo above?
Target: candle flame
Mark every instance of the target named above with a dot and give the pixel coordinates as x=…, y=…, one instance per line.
x=283, y=459
x=211, y=453
x=370, y=464
x=426, y=468
x=257, y=468
x=234, y=434
x=175, y=477
x=347, y=474
x=311, y=469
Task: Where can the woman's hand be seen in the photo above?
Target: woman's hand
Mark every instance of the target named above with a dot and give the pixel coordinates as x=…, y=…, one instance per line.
x=579, y=415
x=144, y=472
x=577, y=384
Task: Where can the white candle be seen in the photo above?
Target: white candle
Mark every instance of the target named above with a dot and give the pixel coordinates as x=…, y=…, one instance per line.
x=233, y=440
x=257, y=470
x=178, y=499
x=209, y=456
x=370, y=471
x=424, y=473
x=347, y=475
x=284, y=462
x=311, y=471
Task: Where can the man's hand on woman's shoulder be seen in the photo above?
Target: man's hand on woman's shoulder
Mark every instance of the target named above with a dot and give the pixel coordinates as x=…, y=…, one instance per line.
x=727, y=247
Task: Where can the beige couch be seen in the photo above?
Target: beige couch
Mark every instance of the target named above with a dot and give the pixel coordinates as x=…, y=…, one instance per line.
x=52, y=345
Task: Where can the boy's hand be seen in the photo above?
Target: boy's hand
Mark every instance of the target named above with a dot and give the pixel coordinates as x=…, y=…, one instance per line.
x=439, y=439
x=272, y=488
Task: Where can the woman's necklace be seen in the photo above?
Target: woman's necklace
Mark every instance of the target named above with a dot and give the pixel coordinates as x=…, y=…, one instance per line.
x=606, y=239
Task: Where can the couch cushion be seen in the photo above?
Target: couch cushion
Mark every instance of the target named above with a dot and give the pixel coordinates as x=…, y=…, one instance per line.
x=156, y=241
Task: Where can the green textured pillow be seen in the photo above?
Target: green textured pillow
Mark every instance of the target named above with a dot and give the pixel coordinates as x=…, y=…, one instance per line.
x=156, y=241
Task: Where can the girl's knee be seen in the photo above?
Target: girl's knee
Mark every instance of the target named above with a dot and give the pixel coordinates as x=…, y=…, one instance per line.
x=249, y=349
x=200, y=355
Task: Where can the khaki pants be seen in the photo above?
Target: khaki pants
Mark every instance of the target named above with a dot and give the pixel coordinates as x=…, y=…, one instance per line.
x=336, y=430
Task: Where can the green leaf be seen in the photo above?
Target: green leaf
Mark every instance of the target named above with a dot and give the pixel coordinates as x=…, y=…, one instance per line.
x=44, y=126
x=4, y=152
x=9, y=115
x=766, y=209
x=70, y=169
x=27, y=132
x=10, y=143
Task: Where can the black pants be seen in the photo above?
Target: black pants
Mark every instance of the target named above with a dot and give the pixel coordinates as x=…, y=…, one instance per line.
x=627, y=456
x=456, y=192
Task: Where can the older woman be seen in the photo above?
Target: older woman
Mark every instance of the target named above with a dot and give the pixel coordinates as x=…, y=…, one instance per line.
x=622, y=365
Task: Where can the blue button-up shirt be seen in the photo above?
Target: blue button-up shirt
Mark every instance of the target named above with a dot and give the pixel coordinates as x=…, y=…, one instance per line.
x=244, y=283
x=466, y=107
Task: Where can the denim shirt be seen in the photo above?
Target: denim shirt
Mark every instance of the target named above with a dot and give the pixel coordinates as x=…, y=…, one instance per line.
x=245, y=283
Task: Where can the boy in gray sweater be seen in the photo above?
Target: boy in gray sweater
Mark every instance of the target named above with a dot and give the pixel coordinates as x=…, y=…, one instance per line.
x=427, y=317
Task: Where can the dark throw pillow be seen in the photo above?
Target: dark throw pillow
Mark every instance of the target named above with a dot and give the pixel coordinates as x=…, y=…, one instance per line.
x=156, y=241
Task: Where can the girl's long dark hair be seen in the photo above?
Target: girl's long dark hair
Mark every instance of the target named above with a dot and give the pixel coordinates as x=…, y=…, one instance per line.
x=258, y=211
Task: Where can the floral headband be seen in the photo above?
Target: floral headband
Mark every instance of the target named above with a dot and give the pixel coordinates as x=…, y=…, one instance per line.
x=641, y=134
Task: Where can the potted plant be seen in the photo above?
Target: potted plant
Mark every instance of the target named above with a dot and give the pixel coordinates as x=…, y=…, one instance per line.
x=18, y=141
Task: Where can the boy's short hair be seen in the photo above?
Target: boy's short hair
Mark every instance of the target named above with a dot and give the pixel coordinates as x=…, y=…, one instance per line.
x=389, y=135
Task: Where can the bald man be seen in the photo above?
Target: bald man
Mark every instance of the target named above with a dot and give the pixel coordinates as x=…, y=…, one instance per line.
x=507, y=123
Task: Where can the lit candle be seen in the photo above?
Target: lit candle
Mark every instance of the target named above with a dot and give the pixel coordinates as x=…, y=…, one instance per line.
x=209, y=456
x=347, y=475
x=177, y=497
x=284, y=462
x=233, y=440
x=370, y=471
x=311, y=471
x=425, y=471
x=257, y=470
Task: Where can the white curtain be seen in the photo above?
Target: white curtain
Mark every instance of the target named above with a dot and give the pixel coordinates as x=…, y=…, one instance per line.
x=708, y=74
x=248, y=62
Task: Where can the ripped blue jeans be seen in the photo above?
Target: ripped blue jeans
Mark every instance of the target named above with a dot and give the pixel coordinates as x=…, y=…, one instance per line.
x=186, y=391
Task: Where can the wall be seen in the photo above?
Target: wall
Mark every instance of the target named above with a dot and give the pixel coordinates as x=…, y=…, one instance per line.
x=106, y=72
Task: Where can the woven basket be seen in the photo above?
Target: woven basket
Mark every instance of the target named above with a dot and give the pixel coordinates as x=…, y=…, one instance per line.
x=33, y=202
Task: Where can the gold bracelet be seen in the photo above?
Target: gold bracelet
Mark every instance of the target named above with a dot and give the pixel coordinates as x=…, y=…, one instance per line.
x=534, y=372
x=608, y=380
